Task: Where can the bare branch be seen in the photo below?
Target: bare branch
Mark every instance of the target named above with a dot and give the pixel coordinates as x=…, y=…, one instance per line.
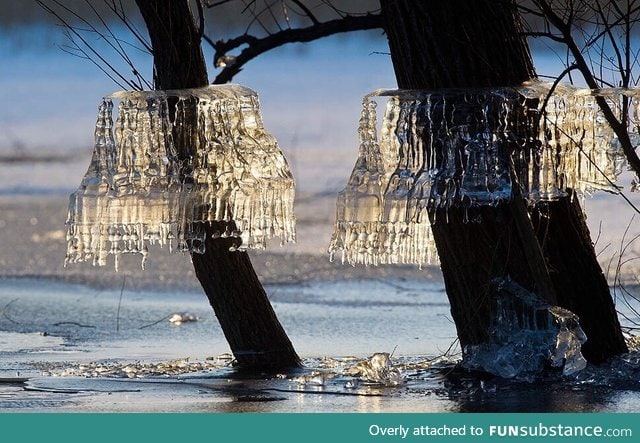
x=83, y=54
x=91, y=53
x=555, y=84
x=257, y=46
x=220, y=3
x=119, y=12
x=118, y=48
x=306, y=11
x=530, y=11
x=535, y=34
x=612, y=40
x=619, y=127
x=616, y=23
x=256, y=17
x=72, y=31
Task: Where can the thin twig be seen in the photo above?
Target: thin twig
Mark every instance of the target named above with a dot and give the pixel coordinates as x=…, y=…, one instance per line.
x=156, y=322
x=120, y=13
x=4, y=311
x=73, y=323
x=124, y=279
x=620, y=129
x=221, y=2
x=73, y=31
x=306, y=11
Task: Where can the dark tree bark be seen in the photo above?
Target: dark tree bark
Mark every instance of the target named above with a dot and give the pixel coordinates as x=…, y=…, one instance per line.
x=576, y=274
x=246, y=316
x=462, y=43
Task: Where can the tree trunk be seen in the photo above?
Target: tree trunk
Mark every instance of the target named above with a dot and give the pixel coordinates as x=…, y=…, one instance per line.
x=246, y=316
x=462, y=43
x=576, y=274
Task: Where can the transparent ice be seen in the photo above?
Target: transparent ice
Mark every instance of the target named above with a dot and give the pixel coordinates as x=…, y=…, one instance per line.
x=525, y=334
x=182, y=317
x=150, y=181
x=315, y=378
x=378, y=369
x=445, y=148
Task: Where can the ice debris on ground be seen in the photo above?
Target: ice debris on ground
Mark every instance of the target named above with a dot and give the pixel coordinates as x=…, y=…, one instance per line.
x=177, y=168
x=375, y=370
x=182, y=317
x=378, y=369
x=315, y=378
x=633, y=343
x=420, y=375
x=525, y=335
x=453, y=147
x=170, y=368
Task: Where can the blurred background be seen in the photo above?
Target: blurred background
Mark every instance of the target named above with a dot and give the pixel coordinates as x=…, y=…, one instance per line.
x=310, y=93
x=310, y=96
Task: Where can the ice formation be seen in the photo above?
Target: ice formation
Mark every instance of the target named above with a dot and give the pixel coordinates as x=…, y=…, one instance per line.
x=378, y=369
x=182, y=317
x=315, y=378
x=525, y=334
x=446, y=148
x=173, y=161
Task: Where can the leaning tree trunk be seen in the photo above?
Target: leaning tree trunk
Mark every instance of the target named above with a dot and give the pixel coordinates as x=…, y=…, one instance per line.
x=246, y=316
x=463, y=43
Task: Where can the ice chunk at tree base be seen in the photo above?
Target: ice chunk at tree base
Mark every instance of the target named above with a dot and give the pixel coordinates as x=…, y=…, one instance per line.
x=437, y=149
x=525, y=335
x=173, y=161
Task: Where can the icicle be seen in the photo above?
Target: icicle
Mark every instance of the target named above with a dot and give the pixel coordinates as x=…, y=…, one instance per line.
x=579, y=150
x=143, y=187
x=453, y=148
x=359, y=205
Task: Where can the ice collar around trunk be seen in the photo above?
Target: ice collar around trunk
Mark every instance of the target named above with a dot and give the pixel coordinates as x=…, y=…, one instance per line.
x=447, y=148
x=173, y=161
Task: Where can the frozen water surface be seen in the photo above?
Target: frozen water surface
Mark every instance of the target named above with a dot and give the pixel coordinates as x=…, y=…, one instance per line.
x=322, y=318
x=368, y=346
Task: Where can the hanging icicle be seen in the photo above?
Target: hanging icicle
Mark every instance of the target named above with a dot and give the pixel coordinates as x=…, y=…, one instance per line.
x=172, y=161
x=463, y=148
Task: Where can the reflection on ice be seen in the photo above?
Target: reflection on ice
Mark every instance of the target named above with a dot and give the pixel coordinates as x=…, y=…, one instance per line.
x=151, y=181
x=444, y=148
